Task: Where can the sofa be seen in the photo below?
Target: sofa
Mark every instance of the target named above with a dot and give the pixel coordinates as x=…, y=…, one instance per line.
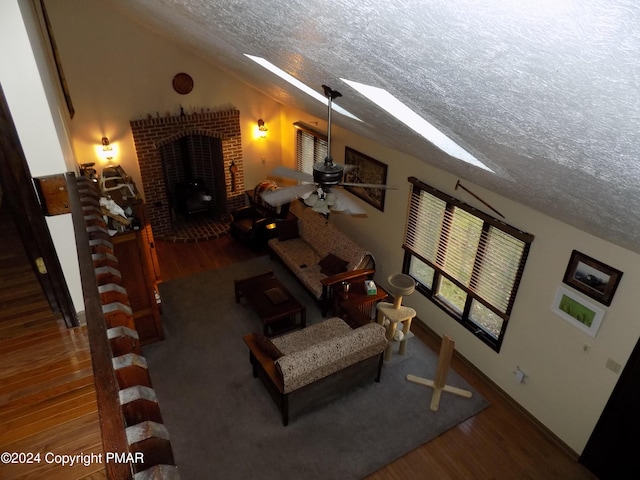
x=319, y=255
x=310, y=367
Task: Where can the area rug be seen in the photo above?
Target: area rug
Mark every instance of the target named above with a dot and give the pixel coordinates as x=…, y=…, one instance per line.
x=223, y=423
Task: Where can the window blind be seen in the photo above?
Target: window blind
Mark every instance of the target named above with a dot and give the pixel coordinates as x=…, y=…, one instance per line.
x=311, y=147
x=477, y=252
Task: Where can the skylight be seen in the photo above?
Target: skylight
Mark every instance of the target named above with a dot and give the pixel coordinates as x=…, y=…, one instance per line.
x=395, y=107
x=298, y=84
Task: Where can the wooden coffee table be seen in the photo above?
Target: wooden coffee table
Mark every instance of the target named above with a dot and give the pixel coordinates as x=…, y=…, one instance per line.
x=277, y=308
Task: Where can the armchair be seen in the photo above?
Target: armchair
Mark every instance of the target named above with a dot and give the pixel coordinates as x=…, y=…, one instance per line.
x=254, y=224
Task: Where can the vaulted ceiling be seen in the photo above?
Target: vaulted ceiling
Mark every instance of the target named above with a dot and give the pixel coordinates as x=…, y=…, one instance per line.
x=545, y=93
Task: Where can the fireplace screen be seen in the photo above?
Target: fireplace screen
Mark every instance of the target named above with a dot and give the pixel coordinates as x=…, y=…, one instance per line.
x=193, y=168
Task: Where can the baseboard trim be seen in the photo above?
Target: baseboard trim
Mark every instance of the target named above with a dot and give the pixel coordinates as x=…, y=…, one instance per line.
x=543, y=428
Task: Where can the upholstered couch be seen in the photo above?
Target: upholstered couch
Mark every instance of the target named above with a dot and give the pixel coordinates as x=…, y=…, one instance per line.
x=309, y=367
x=320, y=255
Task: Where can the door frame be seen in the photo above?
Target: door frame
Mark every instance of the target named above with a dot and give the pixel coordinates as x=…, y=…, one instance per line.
x=612, y=447
x=20, y=195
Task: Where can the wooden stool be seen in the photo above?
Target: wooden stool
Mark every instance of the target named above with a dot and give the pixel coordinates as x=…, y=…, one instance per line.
x=438, y=385
x=394, y=315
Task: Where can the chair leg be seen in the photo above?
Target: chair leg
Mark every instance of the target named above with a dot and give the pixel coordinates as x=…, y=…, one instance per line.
x=380, y=363
x=284, y=403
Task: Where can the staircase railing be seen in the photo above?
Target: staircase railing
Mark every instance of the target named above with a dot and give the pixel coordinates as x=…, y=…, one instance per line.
x=130, y=417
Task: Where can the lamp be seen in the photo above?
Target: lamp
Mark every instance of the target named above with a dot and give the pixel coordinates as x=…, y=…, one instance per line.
x=321, y=201
x=262, y=128
x=107, y=150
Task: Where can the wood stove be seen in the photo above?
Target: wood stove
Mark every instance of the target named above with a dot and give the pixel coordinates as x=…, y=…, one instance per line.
x=193, y=170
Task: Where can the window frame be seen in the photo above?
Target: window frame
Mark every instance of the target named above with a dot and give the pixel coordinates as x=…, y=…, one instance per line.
x=319, y=140
x=488, y=223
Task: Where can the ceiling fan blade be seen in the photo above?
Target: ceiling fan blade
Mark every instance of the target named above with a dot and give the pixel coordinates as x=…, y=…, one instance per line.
x=285, y=172
x=369, y=185
x=285, y=195
x=346, y=203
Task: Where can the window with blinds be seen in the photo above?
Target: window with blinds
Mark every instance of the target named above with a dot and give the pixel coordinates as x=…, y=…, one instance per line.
x=311, y=146
x=465, y=261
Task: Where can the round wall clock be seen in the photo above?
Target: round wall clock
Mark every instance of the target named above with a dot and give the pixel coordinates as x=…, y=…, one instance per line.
x=183, y=83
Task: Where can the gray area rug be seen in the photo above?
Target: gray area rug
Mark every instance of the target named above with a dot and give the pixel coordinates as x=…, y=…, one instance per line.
x=222, y=422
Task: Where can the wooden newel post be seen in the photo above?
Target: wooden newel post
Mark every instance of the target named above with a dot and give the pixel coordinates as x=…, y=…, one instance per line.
x=439, y=383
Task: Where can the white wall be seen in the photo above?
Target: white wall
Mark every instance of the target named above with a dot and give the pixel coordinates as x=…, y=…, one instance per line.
x=117, y=72
x=566, y=388
x=33, y=102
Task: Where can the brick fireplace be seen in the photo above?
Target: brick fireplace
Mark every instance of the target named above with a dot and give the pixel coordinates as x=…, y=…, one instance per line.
x=153, y=136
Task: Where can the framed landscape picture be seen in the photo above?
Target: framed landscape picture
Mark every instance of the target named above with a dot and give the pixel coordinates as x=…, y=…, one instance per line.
x=366, y=170
x=578, y=311
x=591, y=277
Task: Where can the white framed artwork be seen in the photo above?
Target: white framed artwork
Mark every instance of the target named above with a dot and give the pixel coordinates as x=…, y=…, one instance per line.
x=578, y=311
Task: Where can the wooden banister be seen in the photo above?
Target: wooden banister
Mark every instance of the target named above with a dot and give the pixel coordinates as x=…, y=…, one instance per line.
x=114, y=438
x=130, y=418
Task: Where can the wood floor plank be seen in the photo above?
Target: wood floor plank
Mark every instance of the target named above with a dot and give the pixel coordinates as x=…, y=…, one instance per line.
x=41, y=392
x=39, y=419
x=57, y=439
x=34, y=339
x=47, y=393
x=175, y=262
x=42, y=368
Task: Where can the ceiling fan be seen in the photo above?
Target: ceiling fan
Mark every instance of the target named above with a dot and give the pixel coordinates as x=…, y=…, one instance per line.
x=316, y=189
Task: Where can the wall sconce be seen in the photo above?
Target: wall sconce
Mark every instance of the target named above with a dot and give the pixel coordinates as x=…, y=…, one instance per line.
x=106, y=153
x=262, y=129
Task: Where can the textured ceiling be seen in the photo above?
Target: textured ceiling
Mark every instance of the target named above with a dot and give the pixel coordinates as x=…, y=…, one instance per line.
x=546, y=93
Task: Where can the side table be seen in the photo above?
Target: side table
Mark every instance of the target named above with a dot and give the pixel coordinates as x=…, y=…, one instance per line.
x=357, y=296
x=395, y=315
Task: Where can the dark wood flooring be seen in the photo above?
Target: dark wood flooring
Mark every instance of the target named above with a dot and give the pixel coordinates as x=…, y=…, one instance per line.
x=47, y=394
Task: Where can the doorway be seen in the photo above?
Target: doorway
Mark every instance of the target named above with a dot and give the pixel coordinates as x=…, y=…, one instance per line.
x=20, y=198
x=611, y=449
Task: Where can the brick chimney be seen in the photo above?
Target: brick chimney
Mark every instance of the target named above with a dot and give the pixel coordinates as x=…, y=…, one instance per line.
x=152, y=133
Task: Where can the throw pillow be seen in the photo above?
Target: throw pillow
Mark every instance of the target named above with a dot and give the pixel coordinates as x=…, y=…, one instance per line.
x=331, y=265
x=267, y=345
x=287, y=229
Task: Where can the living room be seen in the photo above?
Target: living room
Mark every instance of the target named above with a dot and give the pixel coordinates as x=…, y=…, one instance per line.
x=118, y=72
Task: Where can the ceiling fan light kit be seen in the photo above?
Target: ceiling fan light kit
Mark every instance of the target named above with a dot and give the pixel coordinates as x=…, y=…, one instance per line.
x=323, y=202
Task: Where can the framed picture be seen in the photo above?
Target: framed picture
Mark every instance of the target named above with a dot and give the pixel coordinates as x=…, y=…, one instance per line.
x=591, y=277
x=365, y=169
x=56, y=58
x=578, y=311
